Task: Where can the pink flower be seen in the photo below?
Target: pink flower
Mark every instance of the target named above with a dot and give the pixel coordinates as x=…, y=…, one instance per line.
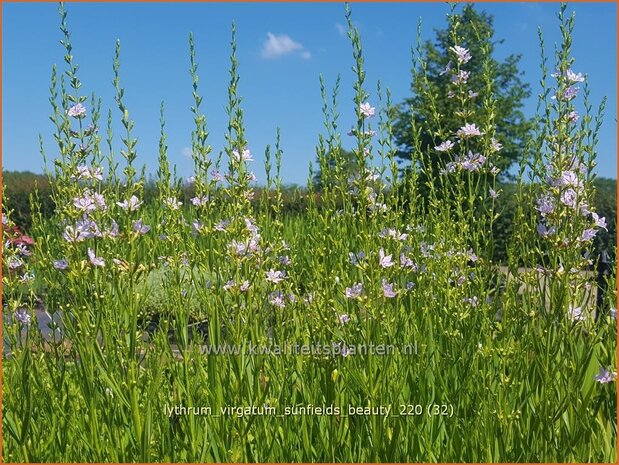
x=222, y=225
x=543, y=231
x=113, y=231
x=587, y=235
x=275, y=276
x=61, y=264
x=85, y=203
x=95, y=261
x=495, y=145
x=461, y=78
x=573, y=77
x=462, y=54
x=21, y=315
x=469, y=130
x=388, y=289
x=569, y=197
x=354, y=291
x=131, y=205
x=600, y=221
x=83, y=172
x=472, y=162
x=366, y=110
x=545, y=205
x=199, y=201
x=444, y=146
x=140, y=227
x=405, y=262
x=244, y=156
x=605, y=376
x=15, y=263
x=172, y=203
x=217, y=176
x=570, y=93
x=384, y=261
x=77, y=111
x=572, y=116
x=576, y=314
x=276, y=299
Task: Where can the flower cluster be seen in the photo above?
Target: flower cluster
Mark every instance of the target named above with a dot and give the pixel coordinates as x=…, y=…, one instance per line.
x=565, y=196
x=88, y=173
x=77, y=111
x=567, y=81
x=90, y=202
x=472, y=162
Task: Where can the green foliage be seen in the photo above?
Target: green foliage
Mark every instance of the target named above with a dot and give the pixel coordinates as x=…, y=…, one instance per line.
x=431, y=110
x=295, y=201
x=605, y=199
x=19, y=187
x=605, y=204
x=209, y=322
x=346, y=160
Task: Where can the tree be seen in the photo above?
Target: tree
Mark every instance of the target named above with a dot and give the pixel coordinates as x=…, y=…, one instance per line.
x=432, y=99
x=606, y=206
x=19, y=185
x=348, y=162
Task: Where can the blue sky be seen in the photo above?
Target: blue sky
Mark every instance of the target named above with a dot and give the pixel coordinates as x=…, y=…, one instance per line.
x=282, y=49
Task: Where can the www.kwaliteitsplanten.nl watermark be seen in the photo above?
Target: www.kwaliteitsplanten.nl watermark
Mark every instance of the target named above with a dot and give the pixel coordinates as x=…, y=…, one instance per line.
x=334, y=349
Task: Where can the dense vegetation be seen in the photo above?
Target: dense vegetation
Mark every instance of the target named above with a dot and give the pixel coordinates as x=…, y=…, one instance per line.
x=364, y=319
x=19, y=186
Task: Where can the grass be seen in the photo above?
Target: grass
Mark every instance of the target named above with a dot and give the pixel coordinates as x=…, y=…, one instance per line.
x=276, y=339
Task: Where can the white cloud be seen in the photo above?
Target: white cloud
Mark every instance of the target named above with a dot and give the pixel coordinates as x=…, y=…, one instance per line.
x=278, y=45
x=341, y=29
x=187, y=152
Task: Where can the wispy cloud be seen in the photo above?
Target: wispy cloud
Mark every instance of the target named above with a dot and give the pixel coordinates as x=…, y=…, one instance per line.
x=341, y=29
x=278, y=45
